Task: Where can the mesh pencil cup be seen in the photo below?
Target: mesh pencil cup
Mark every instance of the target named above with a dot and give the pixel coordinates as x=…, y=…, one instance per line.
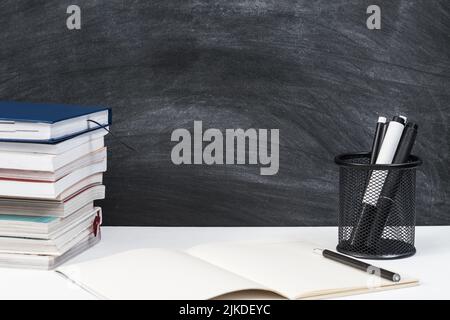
x=376, y=207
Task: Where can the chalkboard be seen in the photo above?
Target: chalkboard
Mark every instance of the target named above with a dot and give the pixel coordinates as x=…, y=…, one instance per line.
x=311, y=69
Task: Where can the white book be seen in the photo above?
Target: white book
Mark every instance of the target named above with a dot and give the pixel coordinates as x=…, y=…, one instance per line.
x=53, y=208
x=94, y=180
x=54, y=149
x=284, y=270
x=48, y=190
x=45, y=262
x=84, y=160
x=51, y=247
x=15, y=161
x=45, y=228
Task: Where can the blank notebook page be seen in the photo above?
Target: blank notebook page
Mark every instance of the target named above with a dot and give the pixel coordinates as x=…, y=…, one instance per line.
x=154, y=274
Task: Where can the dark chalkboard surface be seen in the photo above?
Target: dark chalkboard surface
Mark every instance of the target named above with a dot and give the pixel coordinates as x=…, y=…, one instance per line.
x=309, y=68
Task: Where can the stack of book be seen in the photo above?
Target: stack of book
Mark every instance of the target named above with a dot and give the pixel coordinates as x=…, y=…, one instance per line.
x=52, y=160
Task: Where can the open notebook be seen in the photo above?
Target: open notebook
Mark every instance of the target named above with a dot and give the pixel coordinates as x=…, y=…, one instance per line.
x=287, y=270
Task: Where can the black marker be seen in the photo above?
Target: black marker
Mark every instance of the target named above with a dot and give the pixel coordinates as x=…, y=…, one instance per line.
x=385, y=155
x=385, y=274
x=380, y=131
x=386, y=200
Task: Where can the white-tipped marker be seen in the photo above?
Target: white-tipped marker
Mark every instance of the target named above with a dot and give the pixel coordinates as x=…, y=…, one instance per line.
x=382, y=119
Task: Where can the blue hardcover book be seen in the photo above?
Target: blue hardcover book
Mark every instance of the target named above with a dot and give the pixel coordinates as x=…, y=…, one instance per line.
x=49, y=123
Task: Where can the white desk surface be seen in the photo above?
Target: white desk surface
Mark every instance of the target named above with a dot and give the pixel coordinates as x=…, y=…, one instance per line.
x=430, y=264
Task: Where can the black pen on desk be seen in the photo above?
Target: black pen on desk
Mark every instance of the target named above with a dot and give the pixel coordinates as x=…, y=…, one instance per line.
x=383, y=273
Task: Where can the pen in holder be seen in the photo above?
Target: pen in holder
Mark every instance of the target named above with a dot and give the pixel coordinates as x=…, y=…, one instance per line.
x=376, y=207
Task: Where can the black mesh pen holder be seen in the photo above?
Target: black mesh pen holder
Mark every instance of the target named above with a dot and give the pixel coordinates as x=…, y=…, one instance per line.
x=376, y=207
